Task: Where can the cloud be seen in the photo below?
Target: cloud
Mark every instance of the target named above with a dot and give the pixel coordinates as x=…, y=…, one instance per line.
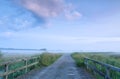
x=68, y=39
x=98, y=39
x=16, y=18
x=21, y=22
x=73, y=15
x=50, y=8
x=6, y=34
x=23, y=14
x=44, y=8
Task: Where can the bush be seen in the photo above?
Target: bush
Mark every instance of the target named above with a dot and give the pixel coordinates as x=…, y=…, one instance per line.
x=46, y=59
x=79, y=59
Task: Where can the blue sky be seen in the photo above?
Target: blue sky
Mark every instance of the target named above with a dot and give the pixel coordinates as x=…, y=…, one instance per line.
x=80, y=25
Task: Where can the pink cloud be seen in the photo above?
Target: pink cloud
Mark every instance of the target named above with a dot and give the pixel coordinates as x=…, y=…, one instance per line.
x=50, y=8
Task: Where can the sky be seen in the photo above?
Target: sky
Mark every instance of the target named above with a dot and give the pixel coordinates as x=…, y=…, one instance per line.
x=78, y=25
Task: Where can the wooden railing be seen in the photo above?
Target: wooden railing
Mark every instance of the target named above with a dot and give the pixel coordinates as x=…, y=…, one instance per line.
x=106, y=71
x=13, y=69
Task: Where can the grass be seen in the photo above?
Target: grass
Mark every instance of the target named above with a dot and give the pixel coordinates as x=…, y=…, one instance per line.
x=1, y=57
x=45, y=59
x=109, y=59
x=79, y=59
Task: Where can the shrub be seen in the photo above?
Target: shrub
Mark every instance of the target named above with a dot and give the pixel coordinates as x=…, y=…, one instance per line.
x=46, y=59
x=79, y=59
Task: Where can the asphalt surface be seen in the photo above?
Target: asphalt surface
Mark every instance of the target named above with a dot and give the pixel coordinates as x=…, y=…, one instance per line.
x=63, y=68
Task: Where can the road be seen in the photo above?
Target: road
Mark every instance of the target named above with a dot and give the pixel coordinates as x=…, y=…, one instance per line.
x=63, y=68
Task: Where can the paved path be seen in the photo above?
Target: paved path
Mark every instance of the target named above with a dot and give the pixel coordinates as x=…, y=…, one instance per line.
x=63, y=68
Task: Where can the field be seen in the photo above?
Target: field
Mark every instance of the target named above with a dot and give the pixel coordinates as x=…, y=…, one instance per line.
x=44, y=59
x=113, y=60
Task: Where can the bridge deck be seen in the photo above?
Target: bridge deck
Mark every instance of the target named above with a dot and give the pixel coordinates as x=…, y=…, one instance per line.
x=63, y=68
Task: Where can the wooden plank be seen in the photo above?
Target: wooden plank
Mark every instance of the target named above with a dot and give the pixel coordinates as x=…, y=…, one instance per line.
x=12, y=62
x=12, y=71
x=108, y=67
x=105, y=65
x=96, y=70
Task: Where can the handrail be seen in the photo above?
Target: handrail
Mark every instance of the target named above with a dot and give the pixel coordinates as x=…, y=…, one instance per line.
x=107, y=67
x=4, y=75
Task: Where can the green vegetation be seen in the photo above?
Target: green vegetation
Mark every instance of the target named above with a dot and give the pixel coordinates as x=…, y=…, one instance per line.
x=0, y=56
x=47, y=59
x=16, y=65
x=109, y=59
x=79, y=59
x=44, y=59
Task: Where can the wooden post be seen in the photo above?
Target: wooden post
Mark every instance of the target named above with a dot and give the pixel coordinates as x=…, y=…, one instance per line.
x=95, y=66
x=6, y=70
x=26, y=63
x=86, y=62
x=107, y=74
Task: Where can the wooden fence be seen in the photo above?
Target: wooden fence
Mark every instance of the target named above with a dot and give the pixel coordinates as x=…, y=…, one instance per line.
x=106, y=71
x=11, y=70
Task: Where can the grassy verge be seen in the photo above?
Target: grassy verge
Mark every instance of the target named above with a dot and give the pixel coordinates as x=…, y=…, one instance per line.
x=79, y=59
x=46, y=59
x=109, y=59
